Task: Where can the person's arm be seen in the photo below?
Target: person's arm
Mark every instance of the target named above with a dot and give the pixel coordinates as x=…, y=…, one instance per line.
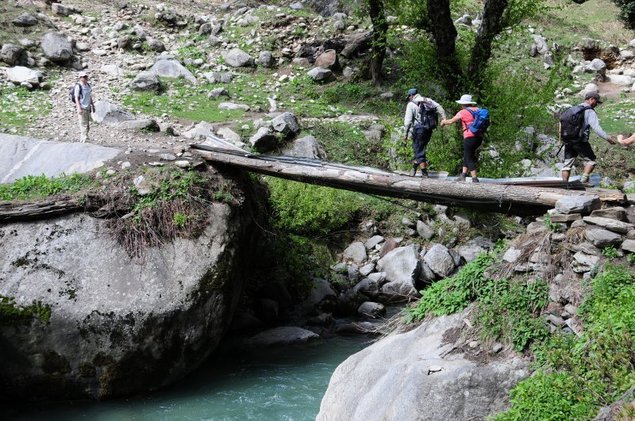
x=76, y=92
x=453, y=120
x=628, y=141
x=592, y=120
x=408, y=118
x=439, y=108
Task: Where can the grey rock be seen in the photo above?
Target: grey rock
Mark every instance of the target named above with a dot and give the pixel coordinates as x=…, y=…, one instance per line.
x=13, y=54
x=602, y=238
x=156, y=313
x=155, y=45
x=439, y=260
x=511, y=255
x=398, y=291
x=281, y=336
x=355, y=43
x=202, y=130
x=231, y=136
x=378, y=277
x=628, y=245
x=264, y=140
x=424, y=230
x=171, y=68
x=367, y=269
x=321, y=293
x=62, y=10
x=237, y=58
x=587, y=248
x=286, y=123
x=374, y=241
x=327, y=60
x=620, y=80
x=403, y=385
x=305, y=147
x=320, y=74
x=367, y=287
x=564, y=218
x=146, y=81
x=596, y=65
x=218, y=92
x=25, y=20
x=20, y=75
x=56, y=47
x=610, y=224
x=266, y=59
x=371, y=309
x=618, y=213
x=109, y=113
x=578, y=204
x=427, y=275
x=232, y=106
x=22, y=156
x=355, y=252
x=112, y=70
x=401, y=265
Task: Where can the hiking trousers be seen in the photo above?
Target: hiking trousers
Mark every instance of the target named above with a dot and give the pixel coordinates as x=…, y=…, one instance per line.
x=84, y=125
x=470, y=156
x=420, y=139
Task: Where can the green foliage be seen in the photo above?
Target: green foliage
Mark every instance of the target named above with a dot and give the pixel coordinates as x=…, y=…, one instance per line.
x=305, y=208
x=577, y=375
x=38, y=186
x=511, y=310
x=627, y=12
x=346, y=143
x=610, y=252
x=455, y=293
x=179, y=219
x=20, y=107
x=11, y=313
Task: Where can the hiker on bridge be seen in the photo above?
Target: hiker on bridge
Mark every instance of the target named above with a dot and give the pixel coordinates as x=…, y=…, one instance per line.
x=575, y=131
x=83, y=99
x=422, y=114
x=472, y=139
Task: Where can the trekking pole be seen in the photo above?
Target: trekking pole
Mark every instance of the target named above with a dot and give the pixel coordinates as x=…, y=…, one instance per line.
x=559, y=139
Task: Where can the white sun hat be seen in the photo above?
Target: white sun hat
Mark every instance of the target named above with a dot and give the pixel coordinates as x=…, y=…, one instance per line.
x=466, y=100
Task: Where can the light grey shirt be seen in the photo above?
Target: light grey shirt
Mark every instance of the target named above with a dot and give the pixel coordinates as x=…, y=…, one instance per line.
x=85, y=98
x=412, y=116
x=591, y=122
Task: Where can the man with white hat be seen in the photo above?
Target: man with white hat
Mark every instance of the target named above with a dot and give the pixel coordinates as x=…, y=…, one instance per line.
x=83, y=99
x=420, y=107
x=471, y=141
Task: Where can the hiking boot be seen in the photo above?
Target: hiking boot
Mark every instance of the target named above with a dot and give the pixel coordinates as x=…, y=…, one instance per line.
x=475, y=180
x=415, y=167
x=424, y=173
x=461, y=177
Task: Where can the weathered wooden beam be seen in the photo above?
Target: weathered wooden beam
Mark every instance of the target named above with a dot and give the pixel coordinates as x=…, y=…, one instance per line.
x=519, y=200
x=51, y=207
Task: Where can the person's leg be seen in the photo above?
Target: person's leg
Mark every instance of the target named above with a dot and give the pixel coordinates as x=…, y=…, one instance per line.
x=569, y=160
x=471, y=158
x=87, y=124
x=82, y=130
x=422, y=156
x=586, y=153
x=418, y=146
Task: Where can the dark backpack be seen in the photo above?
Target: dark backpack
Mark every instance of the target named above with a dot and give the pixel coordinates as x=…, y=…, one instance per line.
x=572, y=123
x=71, y=92
x=428, y=115
x=481, y=121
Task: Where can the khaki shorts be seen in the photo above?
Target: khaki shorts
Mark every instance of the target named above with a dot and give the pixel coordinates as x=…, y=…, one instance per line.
x=580, y=150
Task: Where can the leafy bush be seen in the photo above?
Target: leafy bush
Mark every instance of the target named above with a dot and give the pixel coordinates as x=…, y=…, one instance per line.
x=577, y=375
x=455, y=293
x=305, y=208
x=511, y=310
x=627, y=12
x=38, y=186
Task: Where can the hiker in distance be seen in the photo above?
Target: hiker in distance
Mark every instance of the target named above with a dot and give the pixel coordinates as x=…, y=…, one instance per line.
x=575, y=127
x=474, y=122
x=83, y=99
x=422, y=115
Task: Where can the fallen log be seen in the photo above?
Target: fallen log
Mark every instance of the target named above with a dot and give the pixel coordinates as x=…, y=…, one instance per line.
x=55, y=206
x=518, y=200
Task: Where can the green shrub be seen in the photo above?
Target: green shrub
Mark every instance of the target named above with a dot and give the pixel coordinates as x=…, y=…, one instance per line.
x=511, y=311
x=305, y=208
x=39, y=186
x=578, y=375
x=453, y=294
x=346, y=143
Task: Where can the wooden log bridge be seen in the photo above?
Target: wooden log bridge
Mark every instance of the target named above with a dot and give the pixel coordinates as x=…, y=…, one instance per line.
x=491, y=196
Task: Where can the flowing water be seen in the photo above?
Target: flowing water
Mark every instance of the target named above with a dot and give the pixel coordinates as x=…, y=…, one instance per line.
x=273, y=384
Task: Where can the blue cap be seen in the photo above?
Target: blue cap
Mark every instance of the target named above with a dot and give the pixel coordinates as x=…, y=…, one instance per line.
x=412, y=91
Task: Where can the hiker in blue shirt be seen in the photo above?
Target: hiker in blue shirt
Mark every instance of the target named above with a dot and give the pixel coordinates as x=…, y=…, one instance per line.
x=83, y=99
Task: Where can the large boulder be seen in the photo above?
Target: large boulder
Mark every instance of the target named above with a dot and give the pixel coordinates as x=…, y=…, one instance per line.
x=146, y=81
x=414, y=376
x=304, y=147
x=286, y=123
x=13, y=54
x=56, y=47
x=100, y=323
x=23, y=75
x=237, y=58
x=401, y=265
x=438, y=258
x=171, y=68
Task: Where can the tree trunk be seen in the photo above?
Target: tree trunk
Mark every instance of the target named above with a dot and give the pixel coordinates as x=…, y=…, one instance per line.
x=491, y=26
x=378, y=49
x=444, y=34
x=514, y=199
